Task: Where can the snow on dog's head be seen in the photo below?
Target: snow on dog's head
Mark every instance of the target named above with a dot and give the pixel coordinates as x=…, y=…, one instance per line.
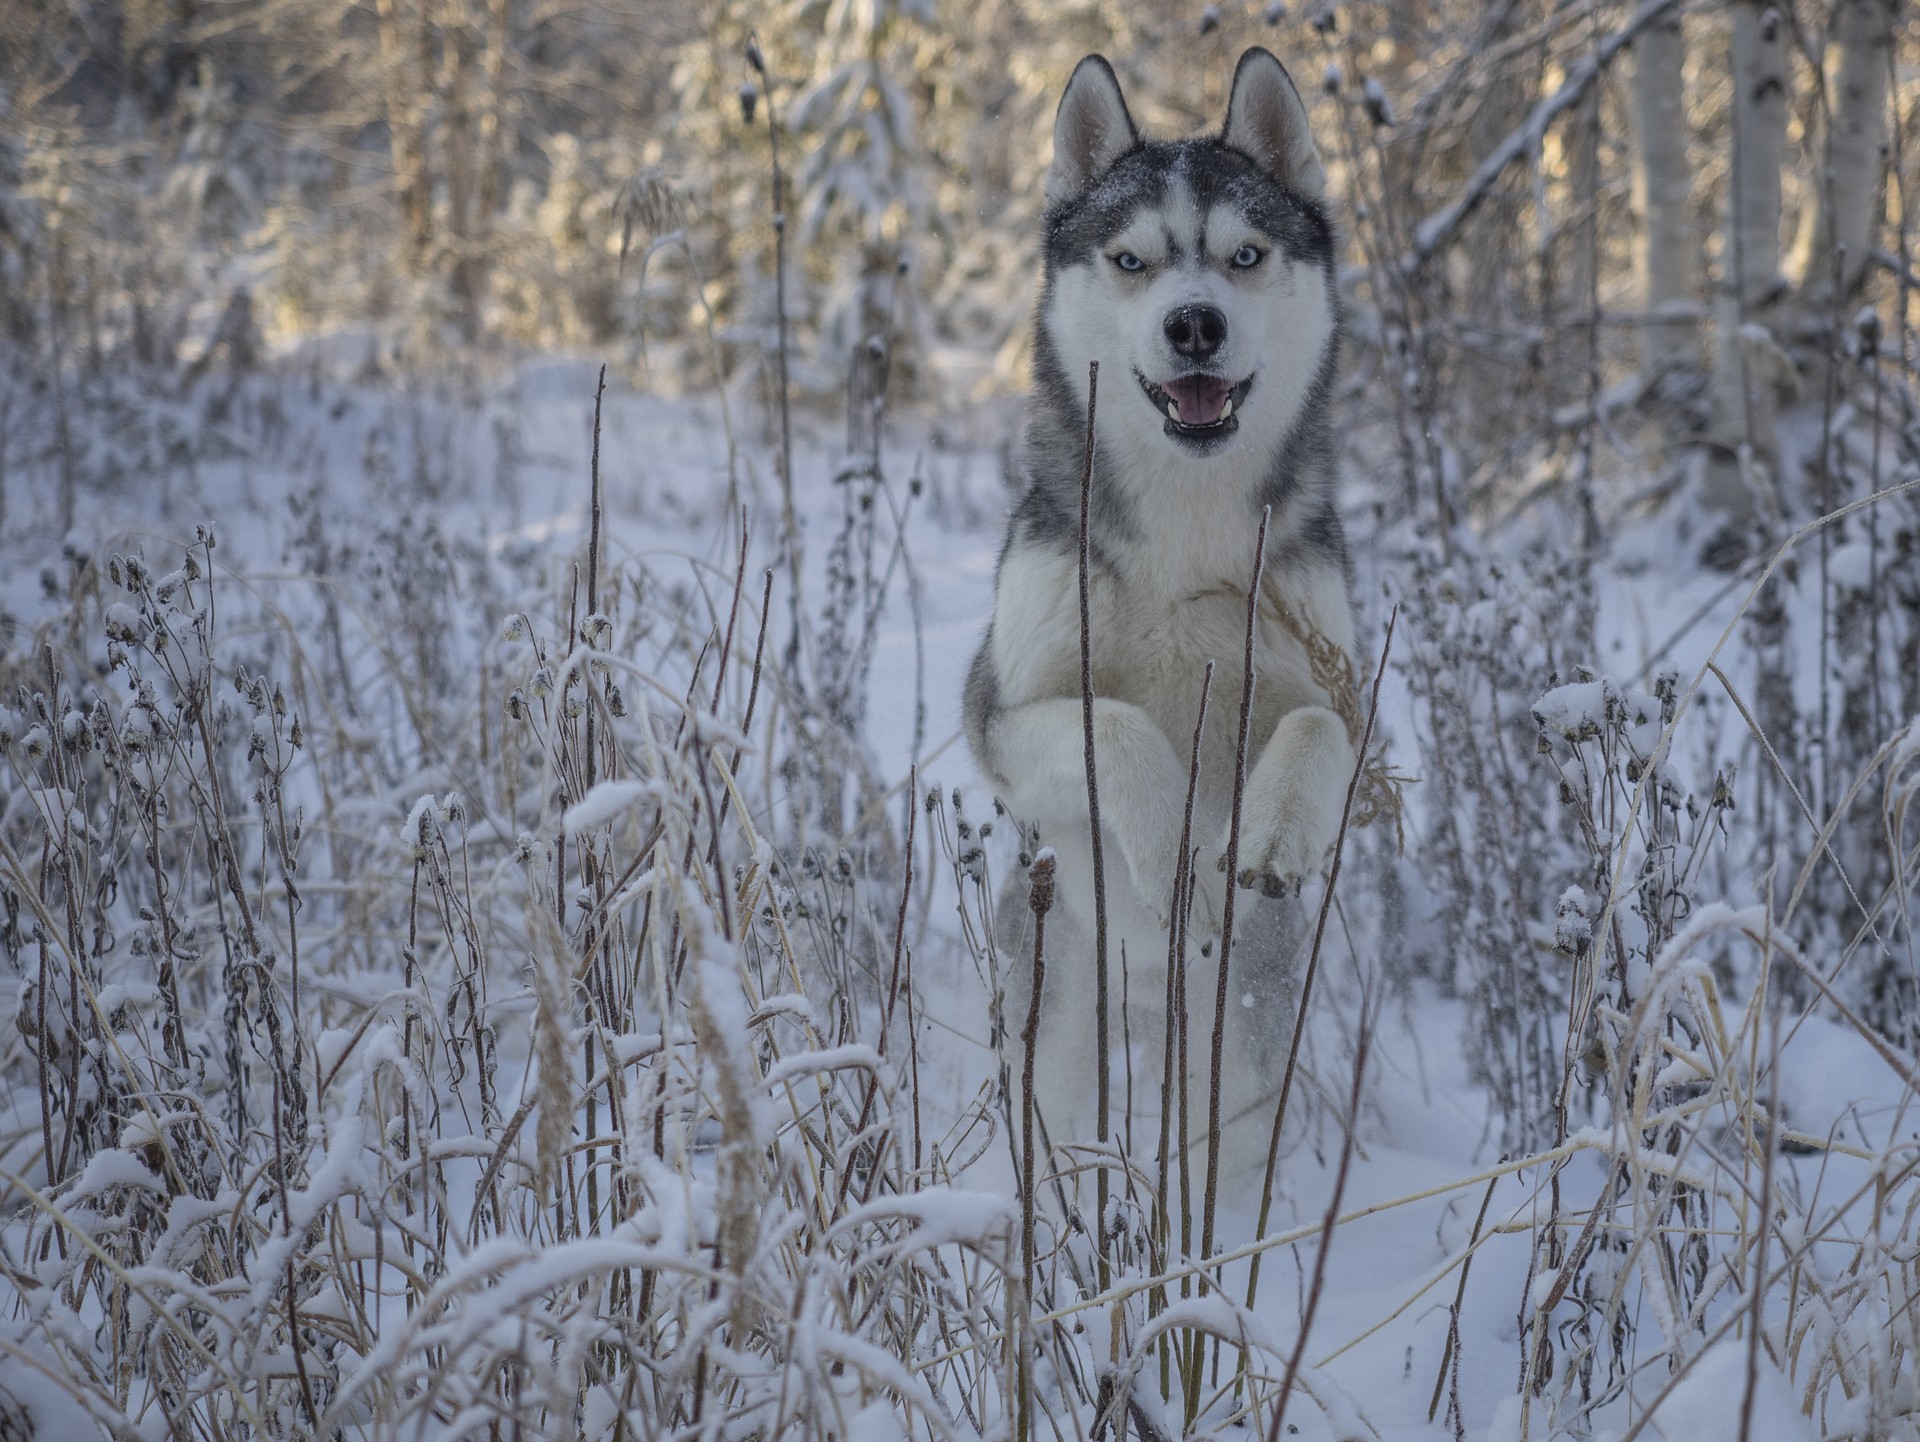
x=1198, y=273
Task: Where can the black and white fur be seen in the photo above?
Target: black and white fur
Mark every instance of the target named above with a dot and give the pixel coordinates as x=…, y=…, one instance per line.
x=1141, y=237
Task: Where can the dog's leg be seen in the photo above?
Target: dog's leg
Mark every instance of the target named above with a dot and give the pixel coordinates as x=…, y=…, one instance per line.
x=1294, y=796
x=1041, y=748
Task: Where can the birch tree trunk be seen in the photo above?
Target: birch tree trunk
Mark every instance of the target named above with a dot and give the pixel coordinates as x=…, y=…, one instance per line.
x=401, y=54
x=1663, y=248
x=457, y=157
x=1748, y=364
x=1847, y=198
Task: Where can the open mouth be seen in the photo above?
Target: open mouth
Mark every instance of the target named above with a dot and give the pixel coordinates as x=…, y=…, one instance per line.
x=1198, y=406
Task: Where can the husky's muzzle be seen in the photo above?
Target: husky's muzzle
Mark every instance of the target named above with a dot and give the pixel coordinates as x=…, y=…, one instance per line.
x=1198, y=407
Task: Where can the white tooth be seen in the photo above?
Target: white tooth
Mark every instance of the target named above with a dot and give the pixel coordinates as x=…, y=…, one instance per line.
x=1173, y=411
x=1227, y=409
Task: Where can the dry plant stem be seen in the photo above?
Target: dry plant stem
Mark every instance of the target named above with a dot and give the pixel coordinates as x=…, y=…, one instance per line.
x=593, y=535
x=1173, y=1077
x=753, y=686
x=1232, y=865
x=1040, y=898
x=1450, y=1353
x=1313, y=958
x=1276, y=1429
x=893, y=996
x=788, y=519
x=1101, y=1021
x=1176, y=956
x=600, y=984
x=1766, y=1226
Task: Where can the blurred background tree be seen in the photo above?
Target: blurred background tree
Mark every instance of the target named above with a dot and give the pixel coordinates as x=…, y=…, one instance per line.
x=1592, y=247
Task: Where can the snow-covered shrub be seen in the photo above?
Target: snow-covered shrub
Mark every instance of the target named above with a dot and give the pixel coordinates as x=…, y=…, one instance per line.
x=1482, y=643
x=468, y=1074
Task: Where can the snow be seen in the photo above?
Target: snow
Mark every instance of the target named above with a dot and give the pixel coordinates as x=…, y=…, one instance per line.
x=1428, y=1147
x=111, y=1168
x=605, y=802
x=1708, y=1402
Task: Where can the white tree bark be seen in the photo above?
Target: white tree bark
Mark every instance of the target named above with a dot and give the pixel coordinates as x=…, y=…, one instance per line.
x=1752, y=258
x=403, y=47
x=1747, y=364
x=1664, y=248
x=1847, y=199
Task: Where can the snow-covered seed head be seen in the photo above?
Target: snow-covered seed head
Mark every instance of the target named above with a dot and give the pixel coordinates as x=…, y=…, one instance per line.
x=517, y=704
x=1573, y=929
x=542, y=683
x=596, y=630
x=1722, y=791
x=417, y=832
x=523, y=848
x=123, y=624
x=515, y=628
x=616, y=703
x=1867, y=326
x=1040, y=883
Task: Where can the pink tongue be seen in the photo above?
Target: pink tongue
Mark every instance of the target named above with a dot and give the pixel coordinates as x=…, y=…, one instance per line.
x=1200, y=398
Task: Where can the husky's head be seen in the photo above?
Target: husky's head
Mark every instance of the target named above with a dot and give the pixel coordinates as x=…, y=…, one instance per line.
x=1199, y=273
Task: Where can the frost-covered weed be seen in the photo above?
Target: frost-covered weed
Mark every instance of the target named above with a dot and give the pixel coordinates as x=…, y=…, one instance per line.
x=1623, y=1014
x=1483, y=642
x=466, y=1078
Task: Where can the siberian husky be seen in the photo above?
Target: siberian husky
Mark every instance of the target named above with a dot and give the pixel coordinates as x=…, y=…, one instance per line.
x=1200, y=274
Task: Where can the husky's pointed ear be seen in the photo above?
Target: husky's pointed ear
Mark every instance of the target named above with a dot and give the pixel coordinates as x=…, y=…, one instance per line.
x=1091, y=130
x=1267, y=122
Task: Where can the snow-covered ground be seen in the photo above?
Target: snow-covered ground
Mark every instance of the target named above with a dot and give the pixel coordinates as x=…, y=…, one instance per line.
x=391, y=499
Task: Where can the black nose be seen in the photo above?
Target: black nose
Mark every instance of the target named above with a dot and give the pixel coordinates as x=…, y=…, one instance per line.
x=1196, y=331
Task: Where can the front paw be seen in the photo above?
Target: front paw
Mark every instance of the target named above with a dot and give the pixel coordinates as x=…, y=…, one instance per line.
x=1294, y=801
x=1287, y=842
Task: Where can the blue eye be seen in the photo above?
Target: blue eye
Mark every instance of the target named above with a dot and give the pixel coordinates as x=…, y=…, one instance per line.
x=1247, y=257
x=1127, y=260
